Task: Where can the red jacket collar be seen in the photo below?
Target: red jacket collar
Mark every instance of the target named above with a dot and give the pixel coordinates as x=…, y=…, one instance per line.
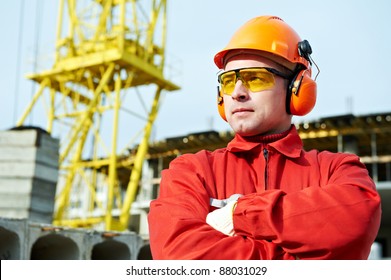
x=287, y=143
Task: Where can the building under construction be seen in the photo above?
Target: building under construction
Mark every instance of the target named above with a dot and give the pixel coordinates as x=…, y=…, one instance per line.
x=81, y=195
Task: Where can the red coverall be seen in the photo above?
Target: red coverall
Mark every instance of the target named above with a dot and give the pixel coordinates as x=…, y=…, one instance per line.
x=295, y=204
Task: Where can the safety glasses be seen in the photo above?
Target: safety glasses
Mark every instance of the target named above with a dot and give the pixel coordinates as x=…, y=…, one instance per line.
x=255, y=78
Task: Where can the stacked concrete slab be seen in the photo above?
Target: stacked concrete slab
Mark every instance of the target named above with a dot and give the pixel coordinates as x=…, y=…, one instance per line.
x=21, y=239
x=28, y=179
x=28, y=174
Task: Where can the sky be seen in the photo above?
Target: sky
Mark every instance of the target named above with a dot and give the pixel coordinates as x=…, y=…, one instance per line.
x=350, y=40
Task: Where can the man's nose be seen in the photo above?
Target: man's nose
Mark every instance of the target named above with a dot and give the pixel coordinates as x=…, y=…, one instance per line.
x=241, y=92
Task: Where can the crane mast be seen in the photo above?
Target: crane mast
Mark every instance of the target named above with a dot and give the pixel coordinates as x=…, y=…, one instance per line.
x=106, y=51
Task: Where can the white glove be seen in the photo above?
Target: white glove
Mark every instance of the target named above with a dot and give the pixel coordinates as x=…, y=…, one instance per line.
x=222, y=219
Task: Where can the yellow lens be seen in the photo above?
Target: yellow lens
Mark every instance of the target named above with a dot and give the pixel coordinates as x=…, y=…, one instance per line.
x=228, y=81
x=257, y=79
x=254, y=79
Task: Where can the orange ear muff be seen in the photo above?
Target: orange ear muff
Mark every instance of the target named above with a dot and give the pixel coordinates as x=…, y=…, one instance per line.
x=220, y=104
x=301, y=97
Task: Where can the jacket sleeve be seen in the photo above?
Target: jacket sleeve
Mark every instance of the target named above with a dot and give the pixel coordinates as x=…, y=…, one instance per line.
x=177, y=221
x=337, y=219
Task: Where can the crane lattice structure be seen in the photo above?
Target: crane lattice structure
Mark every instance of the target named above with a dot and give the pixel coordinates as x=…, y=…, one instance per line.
x=110, y=50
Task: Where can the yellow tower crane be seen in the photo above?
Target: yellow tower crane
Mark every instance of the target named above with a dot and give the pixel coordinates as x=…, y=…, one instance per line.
x=105, y=49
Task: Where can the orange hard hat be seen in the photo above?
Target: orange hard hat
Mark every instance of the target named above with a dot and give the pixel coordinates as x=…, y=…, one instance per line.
x=268, y=34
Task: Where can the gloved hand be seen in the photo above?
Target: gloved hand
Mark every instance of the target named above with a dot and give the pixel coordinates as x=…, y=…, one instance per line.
x=222, y=219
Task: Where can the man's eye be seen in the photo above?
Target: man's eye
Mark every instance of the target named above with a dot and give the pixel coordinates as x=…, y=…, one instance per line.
x=256, y=79
x=228, y=82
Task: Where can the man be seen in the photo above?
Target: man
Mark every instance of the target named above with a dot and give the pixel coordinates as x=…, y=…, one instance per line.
x=263, y=196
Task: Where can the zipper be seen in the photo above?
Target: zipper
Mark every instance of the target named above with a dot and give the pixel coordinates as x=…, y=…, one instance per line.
x=266, y=156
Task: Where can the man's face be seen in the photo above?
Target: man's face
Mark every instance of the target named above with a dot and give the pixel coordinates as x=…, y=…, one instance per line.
x=252, y=113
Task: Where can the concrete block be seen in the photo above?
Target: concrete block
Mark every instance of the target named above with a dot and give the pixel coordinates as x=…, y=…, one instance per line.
x=28, y=170
x=27, y=186
x=28, y=214
x=16, y=201
x=42, y=155
x=27, y=198
x=112, y=245
x=28, y=137
x=13, y=238
x=48, y=242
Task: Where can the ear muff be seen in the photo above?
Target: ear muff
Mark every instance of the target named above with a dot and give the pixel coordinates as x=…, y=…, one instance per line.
x=301, y=96
x=220, y=104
